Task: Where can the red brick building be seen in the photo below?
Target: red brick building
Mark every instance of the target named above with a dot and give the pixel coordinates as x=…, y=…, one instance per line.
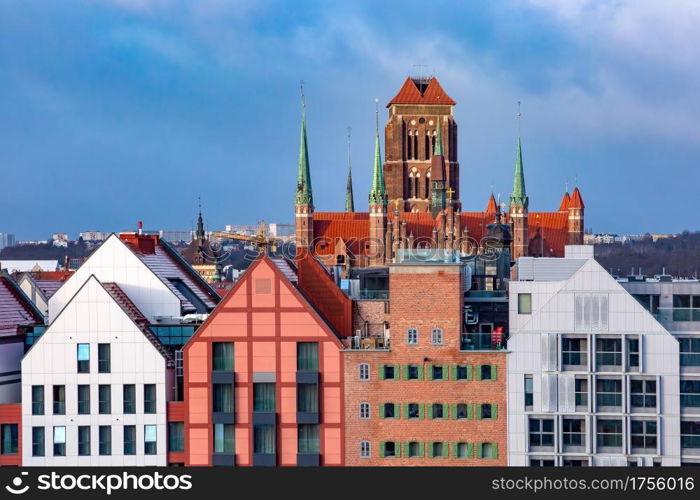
x=417, y=392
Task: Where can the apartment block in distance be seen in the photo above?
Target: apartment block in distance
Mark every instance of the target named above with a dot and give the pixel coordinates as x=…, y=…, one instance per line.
x=593, y=377
x=422, y=387
x=263, y=375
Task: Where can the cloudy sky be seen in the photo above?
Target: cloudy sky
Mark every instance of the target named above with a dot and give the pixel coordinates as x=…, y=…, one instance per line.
x=113, y=111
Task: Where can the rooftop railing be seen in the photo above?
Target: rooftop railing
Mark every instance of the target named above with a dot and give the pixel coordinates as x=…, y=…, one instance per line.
x=482, y=342
x=669, y=314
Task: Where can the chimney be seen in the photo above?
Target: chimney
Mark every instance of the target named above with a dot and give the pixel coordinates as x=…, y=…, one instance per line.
x=140, y=227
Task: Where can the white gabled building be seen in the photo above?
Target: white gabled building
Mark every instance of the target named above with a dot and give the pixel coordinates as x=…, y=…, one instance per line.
x=593, y=378
x=94, y=385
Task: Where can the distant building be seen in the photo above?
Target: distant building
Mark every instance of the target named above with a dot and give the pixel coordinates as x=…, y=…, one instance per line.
x=7, y=240
x=283, y=232
x=40, y=286
x=600, y=239
x=93, y=235
x=59, y=239
x=26, y=266
x=204, y=257
x=175, y=236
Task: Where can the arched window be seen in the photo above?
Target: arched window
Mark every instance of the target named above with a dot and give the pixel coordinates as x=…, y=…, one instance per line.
x=427, y=145
x=409, y=145
x=427, y=185
x=416, y=193
x=415, y=145
x=432, y=148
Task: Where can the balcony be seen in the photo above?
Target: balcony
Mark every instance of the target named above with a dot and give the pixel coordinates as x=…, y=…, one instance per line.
x=482, y=342
x=374, y=295
x=677, y=314
x=371, y=342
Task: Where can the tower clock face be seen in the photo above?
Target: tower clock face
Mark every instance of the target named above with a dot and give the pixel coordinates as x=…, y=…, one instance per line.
x=421, y=120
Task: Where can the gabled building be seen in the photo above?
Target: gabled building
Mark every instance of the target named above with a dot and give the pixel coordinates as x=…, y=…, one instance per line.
x=264, y=374
x=40, y=286
x=593, y=377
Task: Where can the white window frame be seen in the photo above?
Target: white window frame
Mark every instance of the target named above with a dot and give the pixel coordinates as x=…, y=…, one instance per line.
x=365, y=411
x=412, y=333
x=436, y=336
x=363, y=371
x=365, y=449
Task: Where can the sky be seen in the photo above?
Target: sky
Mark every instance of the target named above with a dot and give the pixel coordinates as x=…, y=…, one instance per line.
x=115, y=111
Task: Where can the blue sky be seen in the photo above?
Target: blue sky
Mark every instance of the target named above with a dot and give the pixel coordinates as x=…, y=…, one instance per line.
x=114, y=111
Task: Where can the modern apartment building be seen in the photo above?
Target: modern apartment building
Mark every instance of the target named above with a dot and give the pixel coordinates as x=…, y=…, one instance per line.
x=675, y=304
x=593, y=377
x=264, y=374
x=424, y=384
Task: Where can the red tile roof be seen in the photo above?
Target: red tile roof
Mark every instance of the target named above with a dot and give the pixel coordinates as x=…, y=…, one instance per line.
x=564, y=205
x=411, y=94
x=351, y=227
x=553, y=226
x=15, y=308
x=576, y=200
x=491, y=208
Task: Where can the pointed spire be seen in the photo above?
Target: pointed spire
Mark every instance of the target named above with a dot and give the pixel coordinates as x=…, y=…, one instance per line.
x=519, y=197
x=349, y=199
x=304, y=195
x=564, y=205
x=200, y=223
x=438, y=140
x=576, y=199
x=492, y=207
x=377, y=195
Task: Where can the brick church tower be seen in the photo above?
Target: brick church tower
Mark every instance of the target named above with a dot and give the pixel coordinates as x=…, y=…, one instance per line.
x=410, y=136
x=377, y=208
x=519, y=208
x=304, y=200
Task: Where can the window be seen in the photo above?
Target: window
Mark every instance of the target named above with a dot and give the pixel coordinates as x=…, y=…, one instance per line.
x=364, y=411
x=413, y=372
x=643, y=434
x=643, y=393
x=461, y=411
x=413, y=410
x=591, y=311
x=176, y=436
x=690, y=434
x=104, y=394
x=436, y=336
x=264, y=439
x=412, y=336
x=690, y=351
x=307, y=356
x=222, y=398
x=487, y=372
x=529, y=394
x=224, y=438
x=487, y=411
x=649, y=302
x=364, y=371
x=150, y=440
x=307, y=398
x=307, y=438
x=581, y=391
x=388, y=372
x=608, y=352
x=609, y=433
x=573, y=352
x=149, y=398
x=608, y=392
x=463, y=450
x=438, y=372
x=365, y=449
x=59, y=441
x=437, y=410
x=38, y=440
x=686, y=308
x=129, y=440
x=524, y=303
x=414, y=449
x=488, y=450
x=390, y=449
x=10, y=441
x=84, y=440
x=104, y=358
x=59, y=399
x=83, y=400
x=264, y=398
x=541, y=462
x=632, y=352
x=438, y=449
x=573, y=432
x=388, y=410
x=222, y=356
x=541, y=432
x=129, y=399
x=37, y=400
x=105, y=439
x=690, y=393
x=462, y=372
x=83, y=358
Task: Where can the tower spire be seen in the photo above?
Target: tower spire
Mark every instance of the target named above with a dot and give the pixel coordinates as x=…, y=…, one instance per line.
x=519, y=196
x=377, y=195
x=200, y=222
x=304, y=194
x=349, y=198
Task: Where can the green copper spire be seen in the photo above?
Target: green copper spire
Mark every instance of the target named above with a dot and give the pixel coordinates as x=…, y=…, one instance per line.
x=438, y=140
x=519, y=197
x=304, y=195
x=377, y=195
x=349, y=198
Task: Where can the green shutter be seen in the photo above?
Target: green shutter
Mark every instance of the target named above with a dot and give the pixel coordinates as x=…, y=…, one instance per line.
x=381, y=372
x=420, y=372
x=470, y=450
x=421, y=449
x=404, y=372
x=495, y=450
x=494, y=411
x=493, y=372
x=397, y=447
x=455, y=450
x=430, y=410
x=469, y=372
x=397, y=372
x=397, y=410
x=445, y=410
x=382, y=409
x=430, y=372
x=445, y=372
x=405, y=410
x=479, y=450
x=382, y=449
x=405, y=449
x=445, y=449
x=421, y=410
x=453, y=372
x=430, y=449
x=478, y=411
x=470, y=410
x=453, y=411
x=478, y=372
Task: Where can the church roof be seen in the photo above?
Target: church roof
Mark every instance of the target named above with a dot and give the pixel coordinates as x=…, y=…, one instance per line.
x=491, y=208
x=433, y=93
x=564, y=206
x=576, y=200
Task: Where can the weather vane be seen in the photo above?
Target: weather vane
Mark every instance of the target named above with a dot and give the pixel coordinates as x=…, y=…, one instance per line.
x=303, y=98
x=518, y=116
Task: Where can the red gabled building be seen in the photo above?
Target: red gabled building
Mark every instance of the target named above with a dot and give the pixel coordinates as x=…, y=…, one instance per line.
x=263, y=376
